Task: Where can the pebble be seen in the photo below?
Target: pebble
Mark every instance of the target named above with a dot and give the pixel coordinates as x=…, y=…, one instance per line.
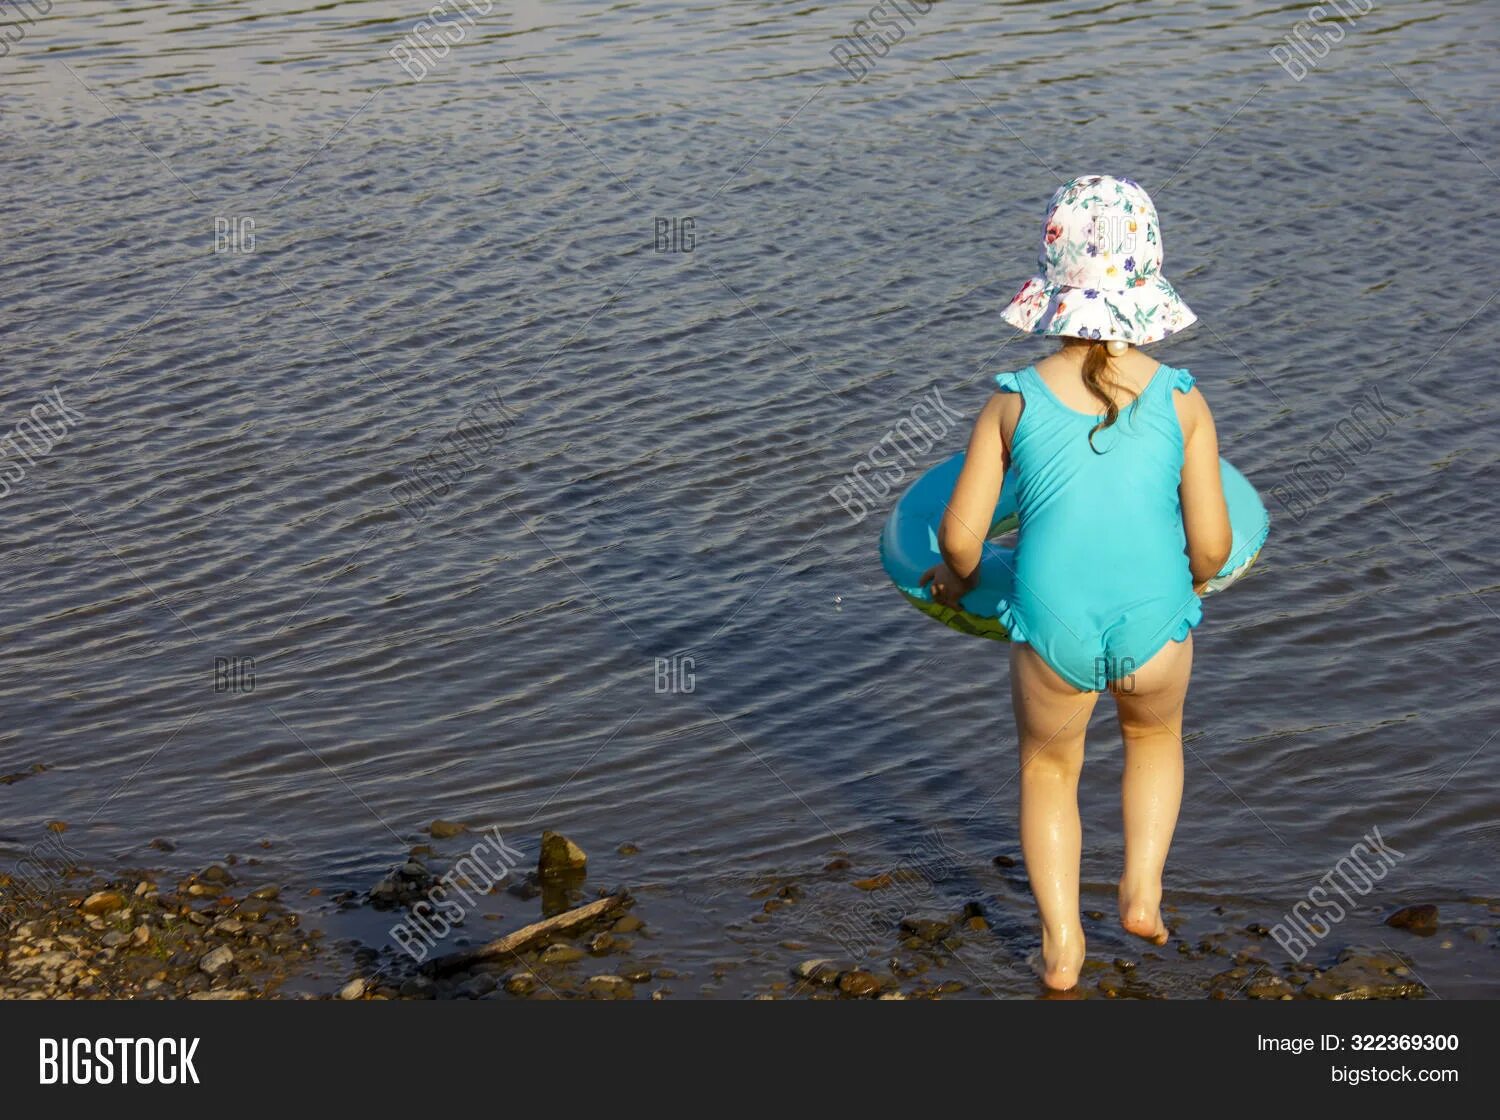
x=609, y=987
x=874, y=882
x=928, y=929
x=1420, y=919
x=354, y=989
x=1363, y=977
x=820, y=970
x=1269, y=987
x=103, y=902
x=858, y=983
x=521, y=983
x=217, y=961
x=446, y=830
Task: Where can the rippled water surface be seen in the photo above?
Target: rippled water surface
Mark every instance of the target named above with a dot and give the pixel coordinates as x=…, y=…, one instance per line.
x=675, y=421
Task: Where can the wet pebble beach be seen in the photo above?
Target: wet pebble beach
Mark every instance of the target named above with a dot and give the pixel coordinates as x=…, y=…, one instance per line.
x=838, y=931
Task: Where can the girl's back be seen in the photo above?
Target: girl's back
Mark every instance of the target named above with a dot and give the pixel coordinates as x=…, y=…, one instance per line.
x=1102, y=573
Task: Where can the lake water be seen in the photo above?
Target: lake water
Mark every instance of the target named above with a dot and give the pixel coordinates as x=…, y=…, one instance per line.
x=692, y=271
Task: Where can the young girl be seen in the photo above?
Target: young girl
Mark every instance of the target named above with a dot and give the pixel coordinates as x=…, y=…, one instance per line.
x=1122, y=519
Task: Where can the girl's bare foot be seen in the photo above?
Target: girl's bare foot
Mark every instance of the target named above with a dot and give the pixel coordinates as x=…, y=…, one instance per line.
x=1062, y=958
x=1140, y=914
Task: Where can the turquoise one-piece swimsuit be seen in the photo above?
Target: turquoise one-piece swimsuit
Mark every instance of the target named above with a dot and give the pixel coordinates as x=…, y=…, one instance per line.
x=1101, y=570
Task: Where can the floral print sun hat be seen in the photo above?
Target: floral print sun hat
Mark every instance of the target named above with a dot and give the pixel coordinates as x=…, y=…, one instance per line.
x=1100, y=268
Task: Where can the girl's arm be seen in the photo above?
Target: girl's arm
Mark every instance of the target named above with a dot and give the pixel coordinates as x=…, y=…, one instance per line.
x=967, y=519
x=1205, y=517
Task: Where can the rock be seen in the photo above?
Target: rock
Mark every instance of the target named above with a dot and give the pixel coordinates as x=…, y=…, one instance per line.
x=417, y=987
x=628, y=924
x=1269, y=987
x=928, y=929
x=1372, y=976
x=840, y=864
x=820, y=970
x=354, y=989
x=42, y=962
x=163, y=845
x=57, y=826
x=559, y=856
x=446, y=830
x=215, y=874
x=638, y=974
x=268, y=893
x=1004, y=861
x=627, y=849
x=222, y=993
x=524, y=888
x=477, y=986
x=608, y=987
x=254, y=909
x=103, y=902
x=1421, y=919
x=217, y=961
x=874, y=882
x=561, y=954
x=601, y=942
x=858, y=983
x=521, y=984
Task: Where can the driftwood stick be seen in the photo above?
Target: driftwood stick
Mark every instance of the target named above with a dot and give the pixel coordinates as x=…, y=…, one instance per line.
x=527, y=936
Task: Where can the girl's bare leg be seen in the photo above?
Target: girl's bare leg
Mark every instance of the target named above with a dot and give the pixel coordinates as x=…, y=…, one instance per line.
x=1150, y=711
x=1051, y=718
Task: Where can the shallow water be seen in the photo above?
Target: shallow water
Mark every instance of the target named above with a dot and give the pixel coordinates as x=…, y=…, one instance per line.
x=676, y=421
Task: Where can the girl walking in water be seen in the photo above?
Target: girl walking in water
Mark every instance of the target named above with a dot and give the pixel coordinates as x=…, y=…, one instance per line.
x=1122, y=520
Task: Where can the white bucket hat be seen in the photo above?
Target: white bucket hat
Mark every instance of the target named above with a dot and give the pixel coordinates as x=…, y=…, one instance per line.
x=1100, y=267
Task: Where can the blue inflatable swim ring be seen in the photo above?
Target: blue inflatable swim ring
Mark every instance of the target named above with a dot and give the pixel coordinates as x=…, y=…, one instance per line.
x=909, y=545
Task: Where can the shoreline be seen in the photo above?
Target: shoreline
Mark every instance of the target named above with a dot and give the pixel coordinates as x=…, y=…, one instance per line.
x=223, y=933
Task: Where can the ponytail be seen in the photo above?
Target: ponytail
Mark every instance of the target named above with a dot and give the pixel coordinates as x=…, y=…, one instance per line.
x=1098, y=381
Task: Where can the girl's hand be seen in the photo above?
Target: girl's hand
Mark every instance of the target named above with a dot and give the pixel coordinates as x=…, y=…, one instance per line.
x=947, y=586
